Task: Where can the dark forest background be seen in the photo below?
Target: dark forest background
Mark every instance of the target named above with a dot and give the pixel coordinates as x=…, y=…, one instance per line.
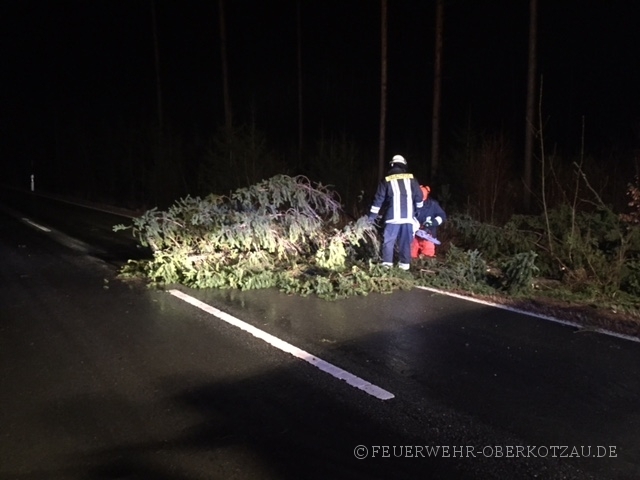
x=81, y=108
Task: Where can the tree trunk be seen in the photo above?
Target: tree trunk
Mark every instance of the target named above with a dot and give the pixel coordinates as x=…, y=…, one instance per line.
x=531, y=87
x=437, y=80
x=228, y=115
x=300, y=123
x=383, y=89
x=157, y=64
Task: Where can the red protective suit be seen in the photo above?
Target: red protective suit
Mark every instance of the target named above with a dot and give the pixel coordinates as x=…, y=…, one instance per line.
x=420, y=246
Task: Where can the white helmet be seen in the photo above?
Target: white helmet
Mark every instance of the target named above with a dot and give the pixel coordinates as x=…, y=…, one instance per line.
x=398, y=159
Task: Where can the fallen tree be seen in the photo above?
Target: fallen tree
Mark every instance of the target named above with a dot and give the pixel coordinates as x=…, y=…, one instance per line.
x=284, y=232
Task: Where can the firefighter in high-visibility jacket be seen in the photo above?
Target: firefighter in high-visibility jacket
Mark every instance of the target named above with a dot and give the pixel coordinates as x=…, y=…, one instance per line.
x=400, y=195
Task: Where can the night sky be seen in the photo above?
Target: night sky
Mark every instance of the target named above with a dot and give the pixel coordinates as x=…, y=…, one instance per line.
x=91, y=62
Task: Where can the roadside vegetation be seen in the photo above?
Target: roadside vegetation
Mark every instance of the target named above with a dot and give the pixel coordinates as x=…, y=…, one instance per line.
x=576, y=258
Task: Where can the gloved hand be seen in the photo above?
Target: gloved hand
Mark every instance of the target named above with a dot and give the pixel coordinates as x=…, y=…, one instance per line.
x=372, y=218
x=428, y=222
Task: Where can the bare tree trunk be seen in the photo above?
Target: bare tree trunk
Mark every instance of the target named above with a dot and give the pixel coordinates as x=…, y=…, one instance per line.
x=437, y=81
x=158, y=185
x=157, y=63
x=228, y=114
x=531, y=87
x=383, y=89
x=300, y=123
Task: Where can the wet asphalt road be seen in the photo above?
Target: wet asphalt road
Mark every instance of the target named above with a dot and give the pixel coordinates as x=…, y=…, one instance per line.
x=103, y=379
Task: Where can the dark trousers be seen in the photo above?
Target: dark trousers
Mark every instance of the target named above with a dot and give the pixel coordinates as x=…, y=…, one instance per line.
x=402, y=234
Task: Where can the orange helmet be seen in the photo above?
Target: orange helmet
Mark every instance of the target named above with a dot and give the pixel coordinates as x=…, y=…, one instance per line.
x=425, y=192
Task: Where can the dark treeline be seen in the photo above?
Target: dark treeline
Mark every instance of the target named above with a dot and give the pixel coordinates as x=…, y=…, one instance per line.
x=88, y=115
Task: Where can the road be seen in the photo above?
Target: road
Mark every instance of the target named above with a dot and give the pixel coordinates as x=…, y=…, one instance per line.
x=107, y=379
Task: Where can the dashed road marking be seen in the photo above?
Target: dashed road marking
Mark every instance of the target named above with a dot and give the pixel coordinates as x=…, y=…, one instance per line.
x=34, y=224
x=326, y=367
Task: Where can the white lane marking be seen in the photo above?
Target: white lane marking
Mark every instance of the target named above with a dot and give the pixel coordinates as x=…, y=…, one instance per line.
x=326, y=367
x=533, y=314
x=34, y=224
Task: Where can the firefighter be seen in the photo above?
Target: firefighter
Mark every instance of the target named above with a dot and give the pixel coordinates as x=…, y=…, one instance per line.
x=429, y=217
x=399, y=193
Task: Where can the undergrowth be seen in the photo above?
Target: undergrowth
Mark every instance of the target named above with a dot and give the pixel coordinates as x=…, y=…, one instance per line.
x=290, y=234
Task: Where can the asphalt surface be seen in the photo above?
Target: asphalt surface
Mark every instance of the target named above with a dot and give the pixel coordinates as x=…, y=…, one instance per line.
x=106, y=379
